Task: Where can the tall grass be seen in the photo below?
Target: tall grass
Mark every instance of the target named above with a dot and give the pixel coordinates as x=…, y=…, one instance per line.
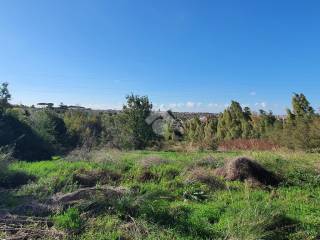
x=182, y=200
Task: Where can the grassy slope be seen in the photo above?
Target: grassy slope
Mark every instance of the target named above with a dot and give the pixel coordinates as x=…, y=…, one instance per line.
x=166, y=207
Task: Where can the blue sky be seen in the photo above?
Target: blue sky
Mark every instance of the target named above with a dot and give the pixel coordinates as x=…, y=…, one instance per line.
x=187, y=55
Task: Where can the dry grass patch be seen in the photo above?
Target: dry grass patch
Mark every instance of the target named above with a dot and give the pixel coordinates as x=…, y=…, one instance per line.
x=152, y=161
x=248, y=144
x=95, y=155
x=208, y=162
x=244, y=169
x=91, y=178
x=205, y=176
x=146, y=176
x=62, y=201
x=134, y=230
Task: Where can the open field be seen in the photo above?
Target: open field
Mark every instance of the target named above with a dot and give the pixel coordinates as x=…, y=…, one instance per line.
x=167, y=195
x=159, y=120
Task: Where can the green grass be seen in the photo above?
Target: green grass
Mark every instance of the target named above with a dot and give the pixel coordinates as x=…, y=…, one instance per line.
x=167, y=206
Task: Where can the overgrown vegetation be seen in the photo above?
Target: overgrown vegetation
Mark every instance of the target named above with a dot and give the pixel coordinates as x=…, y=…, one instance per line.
x=183, y=199
x=87, y=187
x=37, y=133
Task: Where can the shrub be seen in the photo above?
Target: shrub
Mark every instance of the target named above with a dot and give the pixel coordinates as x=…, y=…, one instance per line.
x=102, y=228
x=134, y=116
x=9, y=178
x=5, y=157
x=201, y=133
x=27, y=144
x=51, y=128
x=85, y=128
x=70, y=220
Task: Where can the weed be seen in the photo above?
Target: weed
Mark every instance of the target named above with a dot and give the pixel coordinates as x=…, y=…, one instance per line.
x=70, y=220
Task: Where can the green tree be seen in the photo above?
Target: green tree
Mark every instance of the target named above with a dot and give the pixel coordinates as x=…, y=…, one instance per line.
x=299, y=127
x=301, y=106
x=210, y=131
x=263, y=124
x=301, y=110
x=193, y=130
x=5, y=96
x=135, y=127
x=234, y=123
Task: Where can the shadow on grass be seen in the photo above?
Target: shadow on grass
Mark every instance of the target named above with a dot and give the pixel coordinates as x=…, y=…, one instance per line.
x=282, y=227
x=15, y=179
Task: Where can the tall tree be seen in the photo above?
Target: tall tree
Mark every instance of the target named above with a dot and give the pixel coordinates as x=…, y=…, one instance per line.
x=264, y=123
x=135, y=113
x=234, y=123
x=301, y=108
x=210, y=130
x=298, y=131
x=5, y=96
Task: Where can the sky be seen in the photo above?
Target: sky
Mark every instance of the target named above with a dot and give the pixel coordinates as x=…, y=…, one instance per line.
x=186, y=55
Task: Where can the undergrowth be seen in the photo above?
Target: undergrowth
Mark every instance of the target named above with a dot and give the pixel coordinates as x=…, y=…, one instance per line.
x=177, y=198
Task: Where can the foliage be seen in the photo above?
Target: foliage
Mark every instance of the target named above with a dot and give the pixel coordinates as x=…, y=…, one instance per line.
x=263, y=124
x=8, y=177
x=39, y=133
x=70, y=220
x=301, y=127
x=175, y=208
x=84, y=128
x=5, y=157
x=28, y=145
x=5, y=96
x=133, y=120
x=201, y=133
x=51, y=128
x=234, y=123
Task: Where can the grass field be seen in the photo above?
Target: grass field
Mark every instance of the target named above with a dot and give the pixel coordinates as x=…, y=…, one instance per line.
x=174, y=195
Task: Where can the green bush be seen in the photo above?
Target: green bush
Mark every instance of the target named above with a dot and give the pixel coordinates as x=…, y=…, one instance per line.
x=50, y=128
x=11, y=178
x=28, y=145
x=70, y=220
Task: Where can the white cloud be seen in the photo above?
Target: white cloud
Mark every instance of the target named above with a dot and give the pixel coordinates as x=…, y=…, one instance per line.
x=172, y=105
x=245, y=105
x=253, y=93
x=190, y=104
x=96, y=106
x=261, y=104
x=180, y=105
x=213, y=105
x=162, y=107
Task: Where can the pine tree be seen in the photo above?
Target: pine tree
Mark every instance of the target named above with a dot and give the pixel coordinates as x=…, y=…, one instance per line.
x=135, y=113
x=235, y=123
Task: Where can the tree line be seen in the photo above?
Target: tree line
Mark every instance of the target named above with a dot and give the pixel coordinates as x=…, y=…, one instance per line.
x=36, y=133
